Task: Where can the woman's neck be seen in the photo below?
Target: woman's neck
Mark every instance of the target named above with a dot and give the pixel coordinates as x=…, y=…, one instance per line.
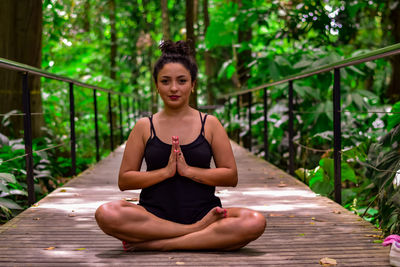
x=178, y=112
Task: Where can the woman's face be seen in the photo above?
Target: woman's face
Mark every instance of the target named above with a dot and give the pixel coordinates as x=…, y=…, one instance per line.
x=174, y=84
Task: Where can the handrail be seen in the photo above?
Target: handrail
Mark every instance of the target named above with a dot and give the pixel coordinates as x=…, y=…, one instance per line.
x=336, y=101
x=373, y=55
x=12, y=65
x=25, y=70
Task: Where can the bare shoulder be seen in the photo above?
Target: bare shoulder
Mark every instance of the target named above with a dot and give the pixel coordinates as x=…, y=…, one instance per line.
x=213, y=124
x=214, y=129
x=141, y=129
x=212, y=121
x=142, y=123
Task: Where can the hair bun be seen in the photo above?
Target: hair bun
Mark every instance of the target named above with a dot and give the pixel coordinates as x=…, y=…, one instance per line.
x=178, y=48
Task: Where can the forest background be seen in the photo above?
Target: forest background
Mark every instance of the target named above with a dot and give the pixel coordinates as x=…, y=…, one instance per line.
x=238, y=44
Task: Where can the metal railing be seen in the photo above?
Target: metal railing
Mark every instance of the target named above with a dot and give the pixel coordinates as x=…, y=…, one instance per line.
x=336, y=66
x=27, y=70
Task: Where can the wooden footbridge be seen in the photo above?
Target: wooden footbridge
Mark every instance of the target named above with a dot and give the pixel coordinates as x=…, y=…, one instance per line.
x=302, y=228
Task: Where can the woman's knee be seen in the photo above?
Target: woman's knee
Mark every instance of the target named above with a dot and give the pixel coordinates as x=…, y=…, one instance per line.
x=107, y=215
x=254, y=223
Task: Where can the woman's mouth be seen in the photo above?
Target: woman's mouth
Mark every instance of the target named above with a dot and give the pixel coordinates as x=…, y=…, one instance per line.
x=174, y=97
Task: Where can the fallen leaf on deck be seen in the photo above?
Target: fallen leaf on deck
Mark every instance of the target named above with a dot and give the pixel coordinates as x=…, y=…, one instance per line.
x=275, y=215
x=337, y=212
x=71, y=215
x=302, y=234
x=282, y=184
x=327, y=262
x=49, y=248
x=313, y=218
x=36, y=219
x=131, y=199
x=63, y=190
x=80, y=249
x=179, y=263
x=378, y=241
x=376, y=236
x=312, y=223
x=35, y=205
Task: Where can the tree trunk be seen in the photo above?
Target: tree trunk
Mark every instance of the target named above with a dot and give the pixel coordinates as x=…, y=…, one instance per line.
x=148, y=27
x=190, y=38
x=165, y=20
x=244, y=57
x=114, y=45
x=21, y=34
x=86, y=17
x=393, y=91
x=154, y=96
x=207, y=57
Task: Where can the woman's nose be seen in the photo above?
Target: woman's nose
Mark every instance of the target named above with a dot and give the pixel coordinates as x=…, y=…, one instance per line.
x=173, y=86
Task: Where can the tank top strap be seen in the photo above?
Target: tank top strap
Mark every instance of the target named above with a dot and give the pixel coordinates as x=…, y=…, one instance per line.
x=152, y=130
x=203, y=121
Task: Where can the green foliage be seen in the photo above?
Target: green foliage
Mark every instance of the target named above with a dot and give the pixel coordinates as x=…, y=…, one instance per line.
x=287, y=37
x=362, y=89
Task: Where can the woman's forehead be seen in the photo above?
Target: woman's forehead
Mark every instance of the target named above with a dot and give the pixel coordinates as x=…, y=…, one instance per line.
x=175, y=69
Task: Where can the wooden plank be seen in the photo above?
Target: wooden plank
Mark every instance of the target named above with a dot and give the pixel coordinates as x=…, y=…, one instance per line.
x=302, y=227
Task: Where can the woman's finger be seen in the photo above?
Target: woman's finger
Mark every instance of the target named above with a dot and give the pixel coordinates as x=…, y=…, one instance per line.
x=175, y=143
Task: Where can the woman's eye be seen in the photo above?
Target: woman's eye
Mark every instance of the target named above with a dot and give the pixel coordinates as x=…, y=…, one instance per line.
x=182, y=81
x=164, y=81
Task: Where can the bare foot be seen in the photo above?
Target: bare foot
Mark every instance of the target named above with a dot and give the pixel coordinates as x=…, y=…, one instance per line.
x=212, y=216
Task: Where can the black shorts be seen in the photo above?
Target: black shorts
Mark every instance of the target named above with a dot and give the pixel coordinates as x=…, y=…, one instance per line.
x=187, y=216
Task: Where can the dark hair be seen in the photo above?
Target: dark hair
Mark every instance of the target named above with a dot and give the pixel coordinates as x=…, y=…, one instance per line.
x=178, y=52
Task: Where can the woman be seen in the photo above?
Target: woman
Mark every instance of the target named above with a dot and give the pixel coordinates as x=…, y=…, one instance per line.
x=178, y=209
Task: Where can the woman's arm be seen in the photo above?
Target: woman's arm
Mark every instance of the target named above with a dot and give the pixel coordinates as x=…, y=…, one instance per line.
x=225, y=173
x=130, y=176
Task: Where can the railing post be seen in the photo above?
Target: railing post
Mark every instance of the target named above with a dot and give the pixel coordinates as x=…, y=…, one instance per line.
x=337, y=141
x=250, y=96
x=111, y=123
x=121, y=132
x=238, y=111
x=72, y=124
x=26, y=102
x=96, y=125
x=133, y=110
x=128, y=115
x=229, y=115
x=266, y=149
x=291, y=131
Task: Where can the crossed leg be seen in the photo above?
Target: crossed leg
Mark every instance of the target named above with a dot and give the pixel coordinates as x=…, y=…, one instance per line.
x=141, y=230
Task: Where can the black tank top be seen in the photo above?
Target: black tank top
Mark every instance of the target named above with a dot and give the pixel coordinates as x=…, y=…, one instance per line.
x=178, y=198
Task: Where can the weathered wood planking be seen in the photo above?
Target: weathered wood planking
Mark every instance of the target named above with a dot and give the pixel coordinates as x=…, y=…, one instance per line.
x=302, y=227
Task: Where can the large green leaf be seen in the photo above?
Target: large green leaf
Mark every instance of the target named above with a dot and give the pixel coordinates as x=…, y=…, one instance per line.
x=394, y=119
x=348, y=173
x=396, y=199
x=317, y=176
x=8, y=177
x=327, y=165
x=8, y=203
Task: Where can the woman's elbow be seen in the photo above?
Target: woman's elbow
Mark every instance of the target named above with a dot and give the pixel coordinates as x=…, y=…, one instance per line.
x=121, y=186
x=234, y=180
x=121, y=183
